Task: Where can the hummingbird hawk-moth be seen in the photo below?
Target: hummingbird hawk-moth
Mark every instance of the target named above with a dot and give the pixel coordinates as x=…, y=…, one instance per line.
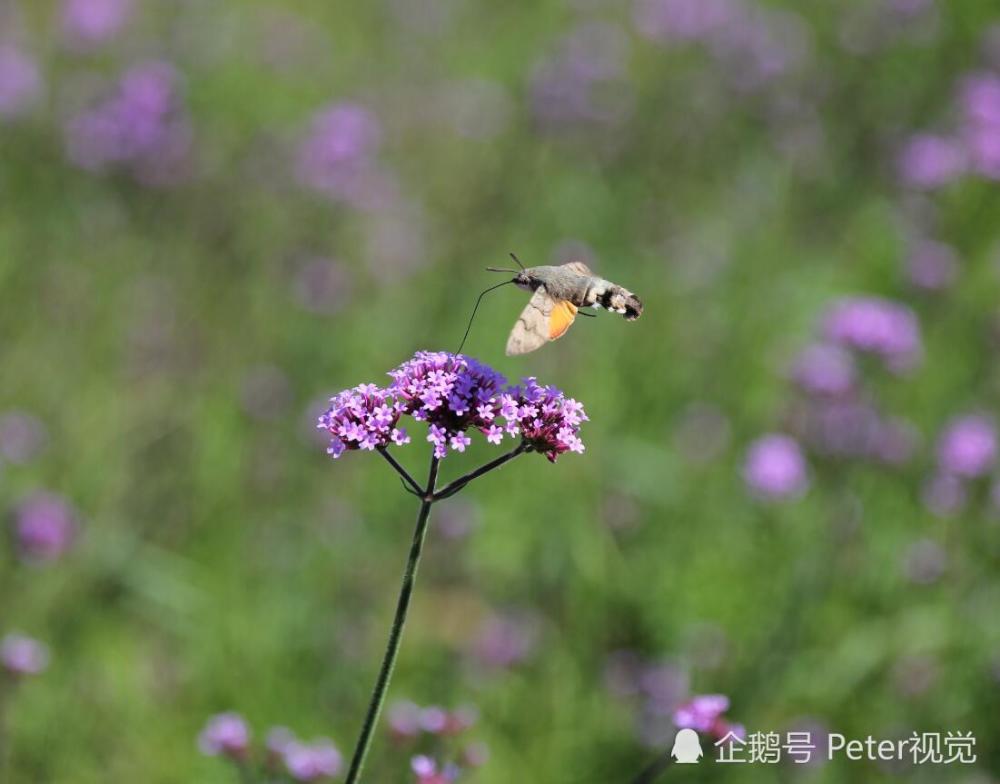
x=558, y=293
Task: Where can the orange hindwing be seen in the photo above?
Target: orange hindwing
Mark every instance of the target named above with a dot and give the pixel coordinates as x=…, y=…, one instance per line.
x=561, y=318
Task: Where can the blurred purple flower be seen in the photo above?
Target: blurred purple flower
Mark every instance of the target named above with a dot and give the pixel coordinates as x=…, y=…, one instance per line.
x=944, y=495
x=584, y=82
x=932, y=265
x=664, y=686
x=701, y=712
x=983, y=144
x=45, y=527
x=849, y=428
x=979, y=97
x=89, y=23
x=278, y=740
x=337, y=157
x=141, y=126
x=775, y=467
x=22, y=437
x=925, y=561
x=427, y=771
x=404, y=720
x=506, y=640
x=879, y=326
x=322, y=286
x=22, y=655
x=20, y=82
x=683, y=20
x=822, y=369
x=312, y=762
x=227, y=735
x=968, y=446
x=929, y=161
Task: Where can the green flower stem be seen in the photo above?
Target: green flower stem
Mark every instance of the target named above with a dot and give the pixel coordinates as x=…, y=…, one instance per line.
x=461, y=482
x=396, y=633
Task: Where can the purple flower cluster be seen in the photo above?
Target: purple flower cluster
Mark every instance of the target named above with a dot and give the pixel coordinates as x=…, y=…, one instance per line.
x=505, y=640
x=967, y=452
x=435, y=729
x=428, y=771
x=20, y=82
x=45, y=527
x=775, y=468
x=89, y=23
x=453, y=393
x=931, y=160
x=876, y=326
x=407, y=720
x=338, y=157
x=21, y=655
x=753, y=45
x=362, y=418
x=141, y=126
x=704, y=713
x=308, y=761
x=228, y=735
x=225, y=735
x=583, y=82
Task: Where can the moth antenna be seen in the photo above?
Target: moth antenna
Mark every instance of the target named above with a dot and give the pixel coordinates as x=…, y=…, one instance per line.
x=476, y=308
x=516, y=260
x=500, y=269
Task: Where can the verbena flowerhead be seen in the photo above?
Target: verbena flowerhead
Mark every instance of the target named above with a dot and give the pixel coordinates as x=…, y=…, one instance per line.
x=452, y=394
x=877, y=326
x=775, y=467
x=312, y=761
x=45, y=527
x=89, y=23
x=22, y=655
x=704, y=713
x=824, y=369
x=364, y=417
x=928, y=161
x=227, y=735
x=142, y=125
x=20, y=82
x=968, y=446
x=427, y=770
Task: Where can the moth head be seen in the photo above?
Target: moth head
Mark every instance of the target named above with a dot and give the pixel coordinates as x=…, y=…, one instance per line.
x=523, y=281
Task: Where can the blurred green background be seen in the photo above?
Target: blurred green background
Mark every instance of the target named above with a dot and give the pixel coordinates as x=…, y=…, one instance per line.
x=188, y=273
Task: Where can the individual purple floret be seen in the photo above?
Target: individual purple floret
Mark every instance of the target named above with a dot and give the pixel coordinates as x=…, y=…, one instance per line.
x=226, y=735
x=45, y=527
x=22, y=655
x=88, y=23
x=312, y=761
x=20, y=82
x=822, y=369
x=362, y=418
x=775, y=467
x=968, y=446
x=877, y=326
x=142, y=125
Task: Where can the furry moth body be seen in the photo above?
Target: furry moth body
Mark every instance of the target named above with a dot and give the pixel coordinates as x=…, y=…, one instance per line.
x=558, y=292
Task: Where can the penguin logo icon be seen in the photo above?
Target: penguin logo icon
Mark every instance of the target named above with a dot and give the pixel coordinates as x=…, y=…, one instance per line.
x=687, y=749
